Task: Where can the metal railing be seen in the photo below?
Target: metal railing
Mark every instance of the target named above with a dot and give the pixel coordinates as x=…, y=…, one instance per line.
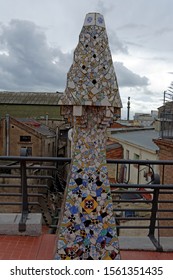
x=152, y=207
x=166, y=129
x=23, y=169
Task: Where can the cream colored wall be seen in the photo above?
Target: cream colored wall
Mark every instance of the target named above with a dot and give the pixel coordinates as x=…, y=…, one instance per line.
x=143, y=155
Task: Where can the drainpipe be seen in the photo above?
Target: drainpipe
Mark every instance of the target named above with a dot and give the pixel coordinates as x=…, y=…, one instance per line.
x=7, y=134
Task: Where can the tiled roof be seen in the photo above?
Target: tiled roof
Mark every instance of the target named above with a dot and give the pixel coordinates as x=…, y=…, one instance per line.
x=40, y=128
x=143, y=138
x=30, y=98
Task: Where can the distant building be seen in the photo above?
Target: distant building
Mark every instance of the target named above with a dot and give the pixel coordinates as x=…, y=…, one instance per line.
x=165, y=119
x=145, y=120
x=138, y=145
x=40, y=105
x=26, y=137
x=165, y=145
x=114, y=150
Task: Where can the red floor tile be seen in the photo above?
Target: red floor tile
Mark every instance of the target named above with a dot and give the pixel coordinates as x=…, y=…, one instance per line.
x=146, y=255
x=43, y=247
x=27, y=247
x=47, y=248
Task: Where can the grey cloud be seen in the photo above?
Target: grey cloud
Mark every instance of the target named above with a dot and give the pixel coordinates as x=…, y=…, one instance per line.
x=144, y=95
x=101, y=6
x=29, y=65
x=116, y=45
x=159, y=58
x=130, y=26
x=127, y=78
x=133, y=44
x=147, y=103
x=163, y=30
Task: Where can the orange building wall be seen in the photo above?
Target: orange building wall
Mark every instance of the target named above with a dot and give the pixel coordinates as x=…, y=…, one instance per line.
x=114, y=153
x=166, y=153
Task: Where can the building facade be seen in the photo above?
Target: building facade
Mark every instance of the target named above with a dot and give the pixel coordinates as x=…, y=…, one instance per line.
x=138, y=145
x=26, y=137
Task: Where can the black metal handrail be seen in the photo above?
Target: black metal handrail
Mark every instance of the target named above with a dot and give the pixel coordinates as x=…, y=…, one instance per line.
x=153, y=218
x=154, y=188
x=21, y=164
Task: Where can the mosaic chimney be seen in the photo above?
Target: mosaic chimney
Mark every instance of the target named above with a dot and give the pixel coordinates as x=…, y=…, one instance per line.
x=87, y=227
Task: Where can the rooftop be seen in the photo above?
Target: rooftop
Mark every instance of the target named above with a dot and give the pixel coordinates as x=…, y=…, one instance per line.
x=29, y=98
x=37, y=126
x=142, y=138
x=132, y=247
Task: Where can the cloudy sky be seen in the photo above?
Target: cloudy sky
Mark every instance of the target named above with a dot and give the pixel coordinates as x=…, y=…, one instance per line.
x=38, y=37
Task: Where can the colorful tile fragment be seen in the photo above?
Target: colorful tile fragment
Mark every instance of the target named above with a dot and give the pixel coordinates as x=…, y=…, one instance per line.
x=87, y=228
x=91, y=79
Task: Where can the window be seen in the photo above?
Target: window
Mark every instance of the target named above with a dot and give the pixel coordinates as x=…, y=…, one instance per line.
x=25, y=138
x=48, y=148
x=29, y=150
x=53, y=149
x=26, y=151
x=136, y=157
x=127, y=154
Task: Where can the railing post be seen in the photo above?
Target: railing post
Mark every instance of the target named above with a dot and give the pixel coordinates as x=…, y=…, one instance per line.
x=152, y=226
x=24, y=214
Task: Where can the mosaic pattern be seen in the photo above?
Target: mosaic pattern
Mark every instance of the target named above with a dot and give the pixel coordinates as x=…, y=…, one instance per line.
x=91, y=79
x=87, y=228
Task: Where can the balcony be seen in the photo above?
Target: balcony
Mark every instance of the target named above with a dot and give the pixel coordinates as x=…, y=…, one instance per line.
x=166, y=130
x=143, y=209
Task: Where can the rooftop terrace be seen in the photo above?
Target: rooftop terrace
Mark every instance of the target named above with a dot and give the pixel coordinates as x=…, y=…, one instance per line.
x=43, y=248
x=150, y=245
